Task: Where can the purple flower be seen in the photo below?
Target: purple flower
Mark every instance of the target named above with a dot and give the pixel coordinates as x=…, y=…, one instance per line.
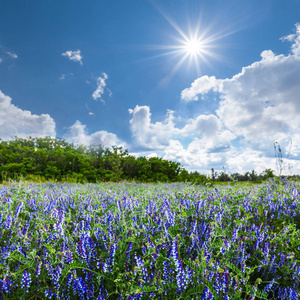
x=5, y=284
x=207, y=294
x=38, y=269
x=174, y=251
x=8, y=221
x=69, y=258
x=188, y=275
x=193, y=228
x=268, y=286
x=292, y=294
x=18, y=210
x=26, y=281
x=48, y=294
x=295, y=192
x=235, y=234
x=107, y=266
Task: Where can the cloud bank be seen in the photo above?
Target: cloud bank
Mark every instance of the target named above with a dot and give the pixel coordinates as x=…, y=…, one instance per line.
x=22, y=123
x=15, y=122
x=257, y=107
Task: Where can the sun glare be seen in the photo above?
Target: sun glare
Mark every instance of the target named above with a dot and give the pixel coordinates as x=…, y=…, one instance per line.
x=196, y=46
x=193, y=47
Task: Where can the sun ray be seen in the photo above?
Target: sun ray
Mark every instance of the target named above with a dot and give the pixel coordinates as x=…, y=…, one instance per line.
x=199, y=45
x=167, y=78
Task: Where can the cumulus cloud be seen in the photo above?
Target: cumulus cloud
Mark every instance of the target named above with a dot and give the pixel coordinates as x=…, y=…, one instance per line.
x=73, y=55
x=295, y=39
x=196, y=156
x=1, y=60
x=22, y=123
x=199, y=87
x=101, y=84
x=207, y=125
x=257, y=106
x=78, y=135
x=261, y=103
x=209, y=140
x=151, y=135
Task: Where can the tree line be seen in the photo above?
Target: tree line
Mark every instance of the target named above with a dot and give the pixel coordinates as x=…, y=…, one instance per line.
x=55, y=159
x=42, y=159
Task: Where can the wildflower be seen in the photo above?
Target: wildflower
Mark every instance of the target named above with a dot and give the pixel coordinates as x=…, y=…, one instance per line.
x=235, y=234
x=8, y=221
x=6, y=284
x=295, y=192
x=18, y=210
x=69, y=258
x=167, y=272
x=225, y=282
x=26, y=281
x=188, y=275
x=174, y=251
x=207, y=294
x=38, y=269
x=193, y=228
x=268, y=286
x=292, y=294
x=48, y=294
x=80, y=288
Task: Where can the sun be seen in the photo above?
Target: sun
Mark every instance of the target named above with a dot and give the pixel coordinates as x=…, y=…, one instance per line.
x=193, y=46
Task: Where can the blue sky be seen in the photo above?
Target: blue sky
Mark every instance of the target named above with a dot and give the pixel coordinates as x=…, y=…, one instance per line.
x=206, y=83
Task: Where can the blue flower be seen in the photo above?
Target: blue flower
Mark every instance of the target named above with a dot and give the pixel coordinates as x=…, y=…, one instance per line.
x=26, y=281
x=268, y=286
x=38, y=269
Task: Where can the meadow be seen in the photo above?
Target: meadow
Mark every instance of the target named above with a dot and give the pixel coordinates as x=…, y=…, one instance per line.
x=149, y=241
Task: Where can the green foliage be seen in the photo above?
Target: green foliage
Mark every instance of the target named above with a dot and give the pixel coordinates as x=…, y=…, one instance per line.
x=53, y=159
x=50, y=159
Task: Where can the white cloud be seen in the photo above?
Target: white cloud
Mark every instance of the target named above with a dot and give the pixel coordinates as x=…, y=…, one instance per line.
x=295, y=39
x=259, y=105
x=6, y=55
x=196, y=156
x=200, y=86
x=12, y=55
x=207, y=125
x=151, y=135
x=151, y=155
x=78, y=135
x=101, y=84
x=209, y=146
x=62, y=77
x=74, y=55
x=22, y=123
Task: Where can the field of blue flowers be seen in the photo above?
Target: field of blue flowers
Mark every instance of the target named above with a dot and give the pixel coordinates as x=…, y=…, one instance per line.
x=138, y=241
